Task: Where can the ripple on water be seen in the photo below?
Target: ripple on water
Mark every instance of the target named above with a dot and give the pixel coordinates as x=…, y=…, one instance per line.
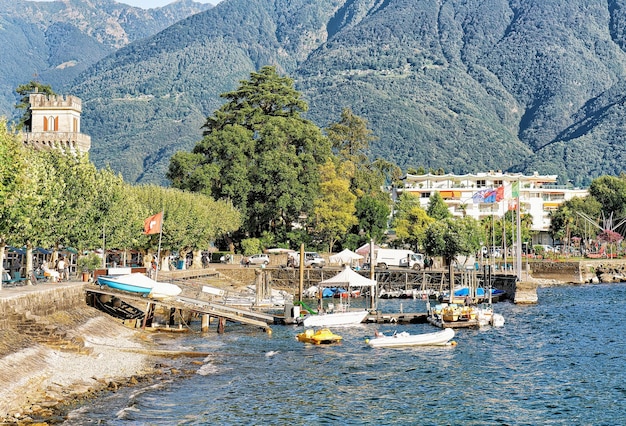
x=559, y=362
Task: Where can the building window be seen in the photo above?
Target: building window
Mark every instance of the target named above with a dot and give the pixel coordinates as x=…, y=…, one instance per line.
x=425, y=195
x=481, y=183
x=554, y=197
x=51, y=124
x=497, y=183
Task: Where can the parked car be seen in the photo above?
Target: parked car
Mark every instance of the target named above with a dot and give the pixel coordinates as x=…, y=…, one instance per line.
x=259, y=259
x=311, y=260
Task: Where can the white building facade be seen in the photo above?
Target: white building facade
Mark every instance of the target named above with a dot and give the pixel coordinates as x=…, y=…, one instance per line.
x=538, y=195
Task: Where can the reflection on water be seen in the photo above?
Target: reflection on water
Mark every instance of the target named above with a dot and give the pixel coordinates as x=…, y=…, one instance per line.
x=558, y=362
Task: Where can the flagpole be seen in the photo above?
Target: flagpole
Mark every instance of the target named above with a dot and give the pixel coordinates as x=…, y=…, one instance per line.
x=158, y=263
x=518, y=252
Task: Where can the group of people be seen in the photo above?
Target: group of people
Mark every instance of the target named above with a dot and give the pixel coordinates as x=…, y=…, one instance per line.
x=61, y=271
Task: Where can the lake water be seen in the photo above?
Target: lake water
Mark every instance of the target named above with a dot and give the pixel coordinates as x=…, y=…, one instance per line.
x=560, y=362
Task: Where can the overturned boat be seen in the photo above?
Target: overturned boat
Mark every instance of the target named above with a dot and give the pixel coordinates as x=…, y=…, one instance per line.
x=139, y=283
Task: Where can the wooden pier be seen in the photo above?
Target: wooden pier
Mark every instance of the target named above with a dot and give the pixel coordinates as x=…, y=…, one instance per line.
x=206, y=309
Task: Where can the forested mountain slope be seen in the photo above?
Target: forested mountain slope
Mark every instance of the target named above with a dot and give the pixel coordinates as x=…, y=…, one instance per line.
x=53, y=42
x=463, y=85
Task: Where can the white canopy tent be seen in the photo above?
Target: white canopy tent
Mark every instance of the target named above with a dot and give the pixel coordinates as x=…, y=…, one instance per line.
x=345, y=257
x=349, y=278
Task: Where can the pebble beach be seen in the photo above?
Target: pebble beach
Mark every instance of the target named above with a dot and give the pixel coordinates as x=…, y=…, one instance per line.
x=97, y=353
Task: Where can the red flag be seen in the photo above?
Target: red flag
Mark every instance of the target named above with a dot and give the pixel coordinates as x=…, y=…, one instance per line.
x=153, y=224
x=499, y=193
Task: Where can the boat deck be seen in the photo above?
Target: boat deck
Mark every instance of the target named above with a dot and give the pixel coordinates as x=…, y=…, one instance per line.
x=452, y=324
x=399, y=318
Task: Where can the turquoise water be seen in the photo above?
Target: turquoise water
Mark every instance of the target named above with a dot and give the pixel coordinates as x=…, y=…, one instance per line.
x=560, y=362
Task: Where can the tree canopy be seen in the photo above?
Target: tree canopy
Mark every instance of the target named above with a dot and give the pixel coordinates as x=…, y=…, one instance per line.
x=258, y=152
x=437, y=208
x=55, y=199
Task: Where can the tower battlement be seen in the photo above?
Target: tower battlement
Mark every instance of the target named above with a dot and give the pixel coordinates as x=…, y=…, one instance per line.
x=55, y=123
x=53, y=102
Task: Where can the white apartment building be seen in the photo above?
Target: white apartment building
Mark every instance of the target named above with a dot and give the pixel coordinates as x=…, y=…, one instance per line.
x=538, y=195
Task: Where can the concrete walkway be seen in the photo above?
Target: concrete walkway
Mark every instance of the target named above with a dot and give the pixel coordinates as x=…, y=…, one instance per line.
x=14, y=292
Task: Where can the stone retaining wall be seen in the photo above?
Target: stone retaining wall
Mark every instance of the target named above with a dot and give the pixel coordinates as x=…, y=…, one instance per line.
x=579, y=272
x=560, y=271
x=38, y=300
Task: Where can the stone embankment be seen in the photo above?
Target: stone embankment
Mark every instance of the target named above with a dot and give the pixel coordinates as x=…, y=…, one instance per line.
x=581, y=271
x=54, y=351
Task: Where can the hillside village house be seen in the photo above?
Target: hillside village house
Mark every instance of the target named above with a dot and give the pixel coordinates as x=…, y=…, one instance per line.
x=55, y=123
x=468, y=195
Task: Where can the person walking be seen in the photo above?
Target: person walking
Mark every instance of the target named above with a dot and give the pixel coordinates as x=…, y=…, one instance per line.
x=61, y=269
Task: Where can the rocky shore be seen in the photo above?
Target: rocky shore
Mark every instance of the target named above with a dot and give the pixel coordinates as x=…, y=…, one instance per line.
x=77, y=355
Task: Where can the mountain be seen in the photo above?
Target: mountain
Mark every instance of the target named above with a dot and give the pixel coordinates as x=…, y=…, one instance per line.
x=55, y=41
x=463, y=85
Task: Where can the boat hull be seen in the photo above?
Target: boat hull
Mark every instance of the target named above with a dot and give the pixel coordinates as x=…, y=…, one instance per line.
x=139, y=283
x=439, y=338
x=115, y=282
x=335, y=319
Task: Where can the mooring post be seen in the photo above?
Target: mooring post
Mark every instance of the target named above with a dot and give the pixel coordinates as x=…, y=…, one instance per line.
x=172, y=317
x=220, y=325
x=206, y=319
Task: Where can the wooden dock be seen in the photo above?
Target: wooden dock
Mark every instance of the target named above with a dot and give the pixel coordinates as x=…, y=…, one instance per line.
x=206, y=309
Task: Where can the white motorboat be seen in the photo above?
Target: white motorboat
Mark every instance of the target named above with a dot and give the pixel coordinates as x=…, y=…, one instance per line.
x=334, y=319
x=398, y=340
x=486, y=316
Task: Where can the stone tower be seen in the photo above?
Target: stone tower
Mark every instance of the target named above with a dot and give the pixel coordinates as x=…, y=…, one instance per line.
x=55, y=123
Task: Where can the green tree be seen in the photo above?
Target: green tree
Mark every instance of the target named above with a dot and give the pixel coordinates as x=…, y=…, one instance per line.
x=576, y=218
x=610, y=192
x=411, y=226
x=450, y=237
x=472, y=235
x=24, y=90
x=405, y=203
x=258, y=152
x=350, y=137
x=14, y=180
x=372, y=214
x=443, y=238
x=437, y=208
x=334, y=209
x=191, y=221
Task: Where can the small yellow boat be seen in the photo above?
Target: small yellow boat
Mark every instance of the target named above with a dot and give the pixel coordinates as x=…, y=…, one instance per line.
x=322, y=336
